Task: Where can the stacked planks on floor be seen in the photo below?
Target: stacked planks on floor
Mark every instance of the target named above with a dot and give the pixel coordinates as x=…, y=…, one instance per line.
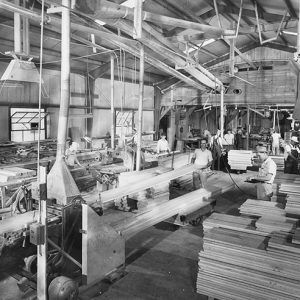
x=238, y=264
x=144, y=199
x=259, y=208
x=279, y=161
x=272, y=215
x=227, y=221
x=240, y=159
x=296, y=237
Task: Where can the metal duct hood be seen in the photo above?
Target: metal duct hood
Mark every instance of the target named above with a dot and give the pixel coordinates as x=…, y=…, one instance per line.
x=20, y=70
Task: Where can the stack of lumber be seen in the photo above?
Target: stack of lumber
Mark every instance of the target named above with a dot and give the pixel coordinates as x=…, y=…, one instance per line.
x=14, y=173
x=290, y=188
x=296, y=237
x=182, y=205
x=281, y=243
x=261, y=208
x=145, y=198
x=240, y=159
x=279, y=161
x=276, y=223
x=139, y=185
x=228, y=221
x=235, y=265
x=292, y=206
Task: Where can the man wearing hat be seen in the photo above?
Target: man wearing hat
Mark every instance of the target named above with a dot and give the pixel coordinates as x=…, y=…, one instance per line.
x=266, y=174
x=291, y=154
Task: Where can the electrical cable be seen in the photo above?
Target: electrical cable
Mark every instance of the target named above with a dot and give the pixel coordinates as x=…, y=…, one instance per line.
x=246, y=193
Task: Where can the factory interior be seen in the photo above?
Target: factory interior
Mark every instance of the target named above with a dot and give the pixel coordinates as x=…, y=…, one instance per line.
x=150, y=149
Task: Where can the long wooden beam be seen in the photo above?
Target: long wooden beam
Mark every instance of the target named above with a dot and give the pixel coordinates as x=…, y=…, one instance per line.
x=232, y=9
x=111, y=195
x=182, y=205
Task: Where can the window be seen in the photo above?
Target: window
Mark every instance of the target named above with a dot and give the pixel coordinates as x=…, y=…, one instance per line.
x=25, y=124
x=124, y=122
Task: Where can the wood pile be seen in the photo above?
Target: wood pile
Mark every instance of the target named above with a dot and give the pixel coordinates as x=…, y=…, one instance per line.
x=296, y=237
x=227, y=221
x=275, y=223
x=261, y=208
x=238, y=265
x=14, y=173
x=292, y=206
x=240, y=159
x=111, y=195
x=13, y=153
x=182, y=205
x=279, y=161
x=144, y=199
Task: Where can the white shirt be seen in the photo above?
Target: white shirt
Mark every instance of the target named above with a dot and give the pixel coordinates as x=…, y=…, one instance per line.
x=202, y=157
x=275, y=138
x=228, y=139
x=162, y=145
x=268, y=167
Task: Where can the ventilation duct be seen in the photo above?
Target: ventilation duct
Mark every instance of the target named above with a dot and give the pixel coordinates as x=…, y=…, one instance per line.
x=20, y=70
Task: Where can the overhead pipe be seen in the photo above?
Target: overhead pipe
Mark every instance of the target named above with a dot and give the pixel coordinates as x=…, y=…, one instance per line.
x=198, y=72
x=106, y=9
x=65, y=81
x=121, y=42
x=26, y=40
x=140, y=108
x=17, y=31
x=222, y=111
x=112, y=100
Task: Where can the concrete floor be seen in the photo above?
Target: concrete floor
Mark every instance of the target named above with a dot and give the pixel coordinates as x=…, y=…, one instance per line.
x=162, y=261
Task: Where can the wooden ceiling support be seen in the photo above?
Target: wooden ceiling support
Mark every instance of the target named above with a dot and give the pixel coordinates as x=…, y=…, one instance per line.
x=290, y=8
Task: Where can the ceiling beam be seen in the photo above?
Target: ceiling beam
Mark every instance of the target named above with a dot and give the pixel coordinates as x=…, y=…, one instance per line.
x=281, y=47
x=291, y=9
x=233, y=9
x=224, y=57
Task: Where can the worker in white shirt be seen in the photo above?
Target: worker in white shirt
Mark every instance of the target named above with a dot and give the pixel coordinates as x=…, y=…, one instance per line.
x=228, y=140
x=266, y=175
x=162, y=144
x=71, y=155
x=202, y=159
x=275, y=142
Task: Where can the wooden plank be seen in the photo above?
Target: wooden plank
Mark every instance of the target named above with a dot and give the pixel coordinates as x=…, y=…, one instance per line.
x=110, y=195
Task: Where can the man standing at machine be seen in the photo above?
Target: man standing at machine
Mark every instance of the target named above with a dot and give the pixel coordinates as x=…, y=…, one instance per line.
x=266, y=174
x=202, y=158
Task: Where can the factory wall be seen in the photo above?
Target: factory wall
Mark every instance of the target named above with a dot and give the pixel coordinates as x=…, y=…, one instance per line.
x=126, y=98
x=23, y=94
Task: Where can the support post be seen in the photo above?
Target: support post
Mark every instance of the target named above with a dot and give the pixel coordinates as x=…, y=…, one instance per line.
x=112, y=100
x=17, y=30
x=140, y=109
x=157, y=102
x=90, y=90
x=248, y=128
x=42, y=249
x=138, y=34
x=222, y=111
x=26, y=40
x=65, y=81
